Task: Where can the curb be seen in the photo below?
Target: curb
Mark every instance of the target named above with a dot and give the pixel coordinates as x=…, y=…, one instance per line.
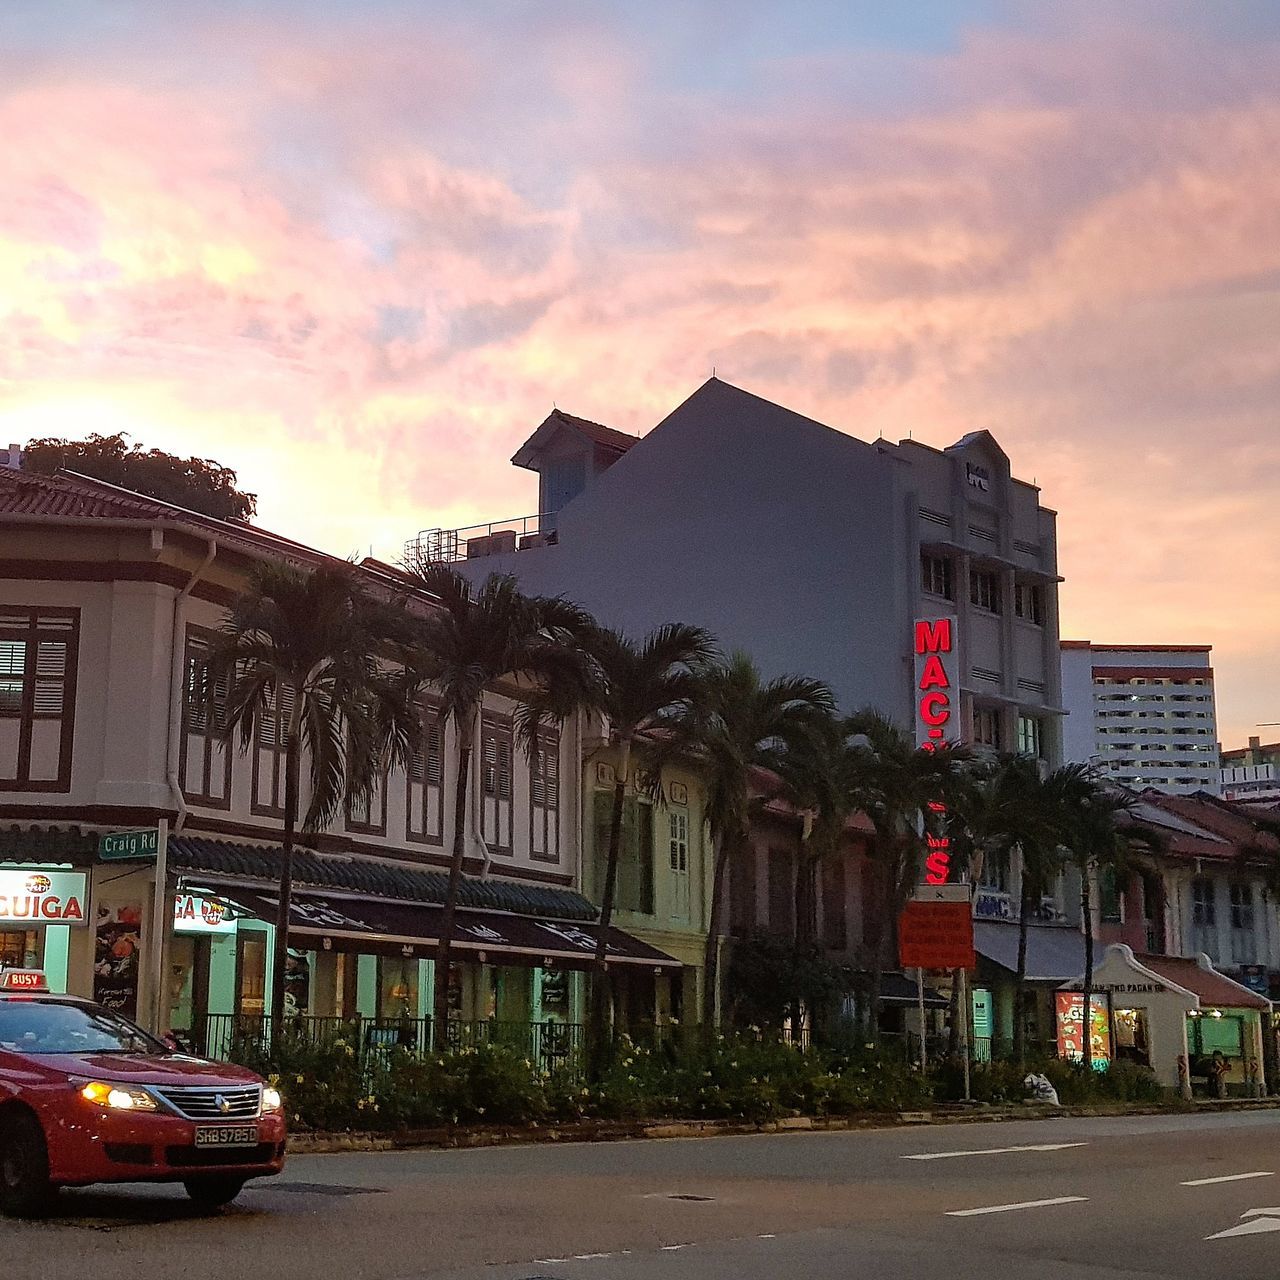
x=450, y=1138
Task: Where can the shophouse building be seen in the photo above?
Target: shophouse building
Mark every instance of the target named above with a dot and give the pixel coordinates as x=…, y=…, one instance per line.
x=107, y=603
x=817, y=553
x=1143, y=715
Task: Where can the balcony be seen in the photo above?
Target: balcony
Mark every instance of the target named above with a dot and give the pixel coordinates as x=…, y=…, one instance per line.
x=497, y=537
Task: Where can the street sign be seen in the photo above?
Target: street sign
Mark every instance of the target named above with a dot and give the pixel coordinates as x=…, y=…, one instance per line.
x=941, y=893
x=936, y=935
x=128, y=846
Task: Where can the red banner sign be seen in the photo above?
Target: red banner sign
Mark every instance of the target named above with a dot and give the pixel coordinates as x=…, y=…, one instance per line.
x=936, y=935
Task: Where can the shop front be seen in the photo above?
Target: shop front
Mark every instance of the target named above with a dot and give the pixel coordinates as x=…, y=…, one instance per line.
x=39, y=908
x=514, y=977
x=1186, y=1021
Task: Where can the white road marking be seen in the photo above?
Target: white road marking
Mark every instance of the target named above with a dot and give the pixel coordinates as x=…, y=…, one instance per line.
x=1257, y=1222
x=1229, y=1177
x=995, y=1151
x=1008, y=1208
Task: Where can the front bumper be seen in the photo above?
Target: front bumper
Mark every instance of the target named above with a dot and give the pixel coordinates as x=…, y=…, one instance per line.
x=88, y=1145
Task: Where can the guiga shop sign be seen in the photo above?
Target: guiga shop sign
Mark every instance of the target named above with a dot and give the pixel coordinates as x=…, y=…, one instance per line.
x=42, y=897
x=194, y=914
x=936, y=669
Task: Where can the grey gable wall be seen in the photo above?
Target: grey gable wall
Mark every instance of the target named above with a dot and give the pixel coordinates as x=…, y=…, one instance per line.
x=784, y=537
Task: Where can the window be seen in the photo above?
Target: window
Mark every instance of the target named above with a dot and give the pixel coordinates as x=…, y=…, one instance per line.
x=544, y=799
x=1202, y=906
x=38, y=651
x=1028, y=602
x=782, y=893
x=1030, y=737
x=936, y=576
x=1111, y=904
x=367, y=814
x=271, y=745
x=984, y=590
x=496, y=808
x=424, y=810
x=835, y=904
x=1242, y=907
x=679, y=829
x=742, y=894
x=986, y=727
x=633, y=889
x=204, y=754
x=994, y=876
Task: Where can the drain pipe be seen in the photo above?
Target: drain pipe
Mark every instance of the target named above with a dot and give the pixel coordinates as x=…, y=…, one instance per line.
x=162, y=910
x=175, y=686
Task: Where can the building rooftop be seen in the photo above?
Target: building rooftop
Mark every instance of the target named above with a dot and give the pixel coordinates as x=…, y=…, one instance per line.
x=596, y=432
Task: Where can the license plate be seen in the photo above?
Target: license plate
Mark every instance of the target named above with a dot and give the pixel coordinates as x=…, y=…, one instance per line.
x=224, y=1135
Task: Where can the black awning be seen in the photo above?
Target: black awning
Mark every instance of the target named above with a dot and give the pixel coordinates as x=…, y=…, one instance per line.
x=369, y=925
x=897, y=989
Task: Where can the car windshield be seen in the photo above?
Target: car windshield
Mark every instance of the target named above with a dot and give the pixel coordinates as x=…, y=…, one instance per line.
x=48, y=1026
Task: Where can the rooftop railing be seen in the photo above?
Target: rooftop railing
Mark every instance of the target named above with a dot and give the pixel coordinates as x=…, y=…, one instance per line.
x=495, y=537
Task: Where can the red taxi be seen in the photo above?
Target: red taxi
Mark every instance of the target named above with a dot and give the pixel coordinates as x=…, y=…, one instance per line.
x=86, y=1096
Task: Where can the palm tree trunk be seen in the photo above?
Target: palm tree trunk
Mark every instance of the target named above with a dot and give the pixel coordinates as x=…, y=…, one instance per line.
x=440, y=993
x=711, y=963
x=879, y=954
x=600, y=986
x=280, y=960
x=1086, y=915
x=1020, y=982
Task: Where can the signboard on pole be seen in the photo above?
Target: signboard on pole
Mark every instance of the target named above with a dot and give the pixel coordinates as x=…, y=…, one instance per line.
x=936, y=935
x=1070, y=1010
x=129, y=846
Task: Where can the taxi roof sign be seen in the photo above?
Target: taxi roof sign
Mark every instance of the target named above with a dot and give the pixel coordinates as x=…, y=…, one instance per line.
x=23, y=980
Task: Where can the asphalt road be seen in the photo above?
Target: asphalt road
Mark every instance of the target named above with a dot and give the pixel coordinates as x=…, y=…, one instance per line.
x=1053, y=1200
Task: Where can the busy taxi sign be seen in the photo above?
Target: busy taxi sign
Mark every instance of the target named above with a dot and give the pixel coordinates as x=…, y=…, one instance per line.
x=23, y=980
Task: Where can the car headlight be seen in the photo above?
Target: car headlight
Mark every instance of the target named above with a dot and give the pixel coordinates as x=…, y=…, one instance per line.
x=118, y=1097
x=271, y=1099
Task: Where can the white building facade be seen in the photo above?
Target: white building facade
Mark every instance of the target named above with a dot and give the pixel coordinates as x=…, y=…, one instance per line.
x=1143, y=715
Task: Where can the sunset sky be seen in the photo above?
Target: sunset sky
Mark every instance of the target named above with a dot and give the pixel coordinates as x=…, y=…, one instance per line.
x=356, y=250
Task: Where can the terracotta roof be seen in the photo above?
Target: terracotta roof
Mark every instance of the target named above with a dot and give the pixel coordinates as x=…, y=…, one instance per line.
x=596, y=431
x=260, y=863
x=22, y=493
x=1212, y=987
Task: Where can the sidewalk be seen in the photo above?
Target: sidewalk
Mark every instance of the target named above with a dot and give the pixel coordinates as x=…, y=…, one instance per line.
x=619, y=1130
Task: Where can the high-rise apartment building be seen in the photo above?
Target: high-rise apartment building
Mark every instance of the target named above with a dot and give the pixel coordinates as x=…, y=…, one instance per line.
x=1252, y=772
x=1144, y=715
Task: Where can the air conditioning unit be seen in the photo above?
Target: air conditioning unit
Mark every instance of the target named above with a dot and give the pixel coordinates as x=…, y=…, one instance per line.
x=491, y=544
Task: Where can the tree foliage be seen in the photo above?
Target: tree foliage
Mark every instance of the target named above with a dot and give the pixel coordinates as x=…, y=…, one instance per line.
x=199, y=484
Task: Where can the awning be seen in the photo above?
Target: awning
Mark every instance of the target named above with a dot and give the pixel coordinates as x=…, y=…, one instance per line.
x=1055, y=953
x=1211, y=986
x=371, y=926
x=897, y=989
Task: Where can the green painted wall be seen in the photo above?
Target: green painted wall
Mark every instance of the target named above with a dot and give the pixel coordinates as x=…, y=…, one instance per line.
x=222, y=973
x=57, y=943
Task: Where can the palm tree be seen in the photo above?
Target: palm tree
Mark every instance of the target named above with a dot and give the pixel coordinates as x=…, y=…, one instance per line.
x=474, y=636
x=817, y=777
x=1104, y=835
x=736, y=722
x=1036, y=815
x=299, y=654
x=639, y=685
x=904, y=790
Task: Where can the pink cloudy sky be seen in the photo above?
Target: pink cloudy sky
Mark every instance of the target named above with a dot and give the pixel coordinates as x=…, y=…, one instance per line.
x=357, y=250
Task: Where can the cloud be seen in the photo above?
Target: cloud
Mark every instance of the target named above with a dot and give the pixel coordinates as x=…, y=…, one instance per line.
x=360, y=259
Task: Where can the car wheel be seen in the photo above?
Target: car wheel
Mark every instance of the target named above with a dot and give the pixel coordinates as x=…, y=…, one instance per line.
x=25, y=1189
x=213, y=1193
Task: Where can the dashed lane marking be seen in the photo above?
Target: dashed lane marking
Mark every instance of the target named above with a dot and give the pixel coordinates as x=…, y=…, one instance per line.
x=1228, y=1177
x=995, y=1151
x=1009, y=1208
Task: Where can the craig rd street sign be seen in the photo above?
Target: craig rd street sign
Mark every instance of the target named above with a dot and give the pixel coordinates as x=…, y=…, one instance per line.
x=126, y=846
